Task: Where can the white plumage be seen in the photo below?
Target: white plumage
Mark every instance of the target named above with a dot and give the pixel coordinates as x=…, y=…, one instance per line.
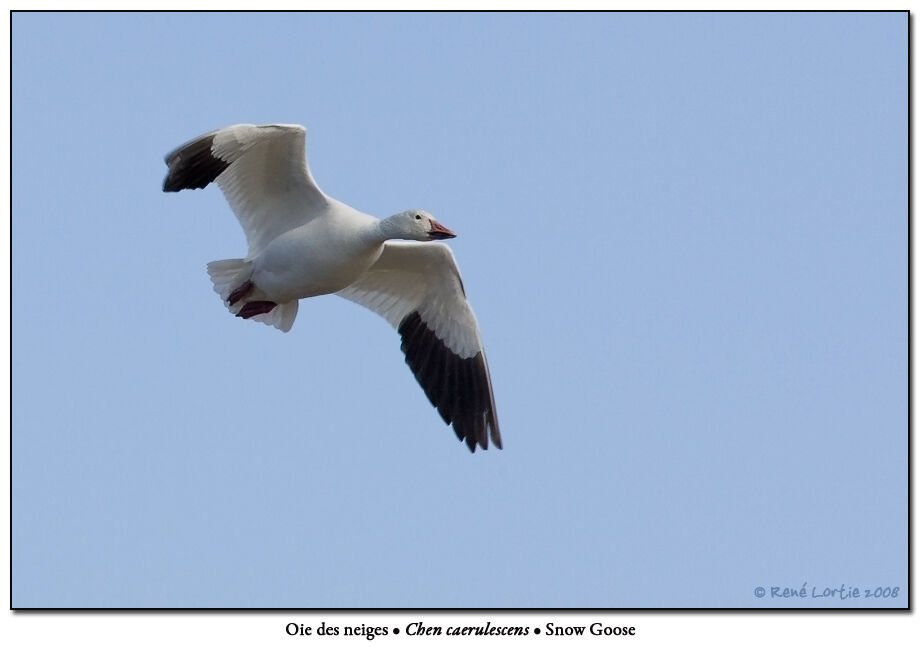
x=304, y=243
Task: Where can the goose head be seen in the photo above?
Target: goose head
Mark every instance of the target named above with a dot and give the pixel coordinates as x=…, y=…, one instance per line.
x=416, y=225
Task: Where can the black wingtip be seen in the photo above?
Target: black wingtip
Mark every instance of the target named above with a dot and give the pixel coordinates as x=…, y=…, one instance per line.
x=496, y=439
x=458, y=387
x=193, y=166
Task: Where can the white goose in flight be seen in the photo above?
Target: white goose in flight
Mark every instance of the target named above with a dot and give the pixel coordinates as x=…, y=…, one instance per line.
x=303, y=243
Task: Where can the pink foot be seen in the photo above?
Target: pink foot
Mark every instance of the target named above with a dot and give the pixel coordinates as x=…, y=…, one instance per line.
x=237, y=294
x=256, y=308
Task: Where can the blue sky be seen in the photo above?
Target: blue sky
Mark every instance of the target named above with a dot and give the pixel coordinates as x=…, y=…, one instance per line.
x=685, y=240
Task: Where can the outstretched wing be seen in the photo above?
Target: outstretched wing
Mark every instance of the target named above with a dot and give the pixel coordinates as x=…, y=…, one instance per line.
x=262, y=171
x=418, y=289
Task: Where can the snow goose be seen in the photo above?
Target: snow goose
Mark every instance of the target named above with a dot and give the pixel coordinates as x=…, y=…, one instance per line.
x=304, y=243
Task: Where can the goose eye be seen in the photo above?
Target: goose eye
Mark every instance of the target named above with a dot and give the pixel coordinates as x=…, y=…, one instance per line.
x=418, y=217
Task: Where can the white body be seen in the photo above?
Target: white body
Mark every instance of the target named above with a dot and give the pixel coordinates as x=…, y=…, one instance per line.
x=322, y=256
